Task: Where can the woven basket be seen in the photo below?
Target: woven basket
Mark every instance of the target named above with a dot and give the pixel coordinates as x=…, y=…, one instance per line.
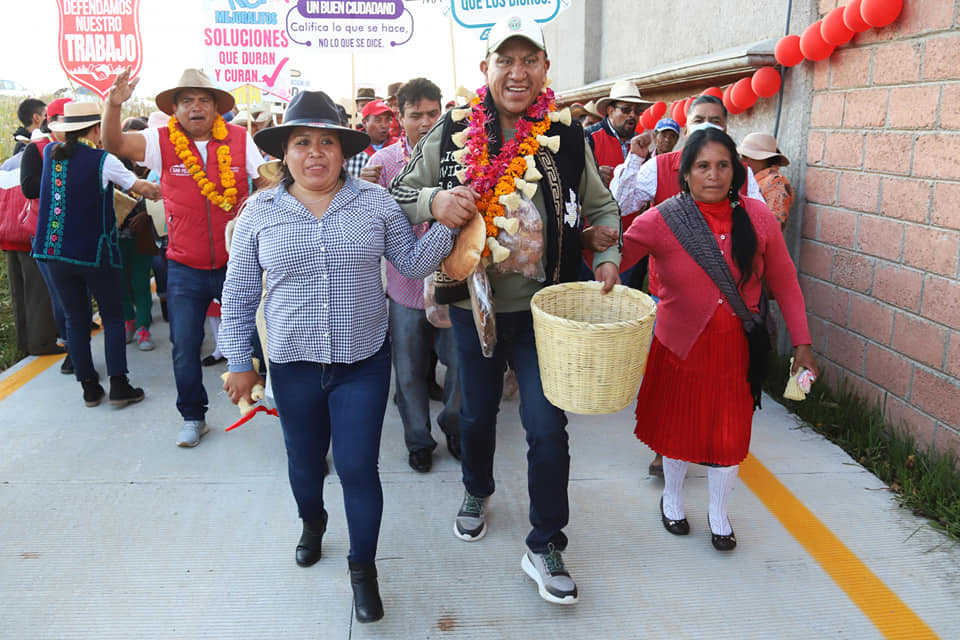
x=592, y=347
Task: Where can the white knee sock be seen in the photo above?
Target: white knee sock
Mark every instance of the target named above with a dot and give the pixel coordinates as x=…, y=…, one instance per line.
x=674, y=472
x=720, y=481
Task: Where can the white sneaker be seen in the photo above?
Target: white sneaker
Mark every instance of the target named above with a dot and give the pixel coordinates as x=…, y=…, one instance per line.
x=191, y=432
x=553, y=582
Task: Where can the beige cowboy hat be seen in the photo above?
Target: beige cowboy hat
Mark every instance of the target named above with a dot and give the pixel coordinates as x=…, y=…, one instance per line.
x=760, y=146
x=194, y=79
x=621, y=91
x=591, y=108
x=77, y=115
x=577, y=110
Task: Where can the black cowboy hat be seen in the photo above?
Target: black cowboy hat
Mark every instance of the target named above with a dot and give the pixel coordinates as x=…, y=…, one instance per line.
x=311, y=109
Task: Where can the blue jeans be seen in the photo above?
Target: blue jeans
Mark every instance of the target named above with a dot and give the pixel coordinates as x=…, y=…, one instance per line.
x=413, y=337
x=481, y=384
x=72, y=283
x=189, y=292
x=342, y=403
x=55, y=303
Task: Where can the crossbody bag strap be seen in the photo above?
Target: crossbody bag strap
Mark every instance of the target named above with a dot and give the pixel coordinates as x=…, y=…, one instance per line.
x=694, y=235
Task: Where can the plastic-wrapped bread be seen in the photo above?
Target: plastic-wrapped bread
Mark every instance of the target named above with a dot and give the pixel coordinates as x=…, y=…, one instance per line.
x=465, y=256
x=526, y=245
x=438, y=315
x=481, y=301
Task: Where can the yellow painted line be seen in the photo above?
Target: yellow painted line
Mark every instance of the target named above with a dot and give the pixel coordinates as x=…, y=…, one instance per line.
x=888, y=612
x=27, y=373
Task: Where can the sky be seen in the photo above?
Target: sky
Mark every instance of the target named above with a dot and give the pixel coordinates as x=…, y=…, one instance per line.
x=173, y=41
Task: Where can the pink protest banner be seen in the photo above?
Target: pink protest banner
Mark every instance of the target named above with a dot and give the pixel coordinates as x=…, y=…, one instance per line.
x=245, y=44
x=98, y=40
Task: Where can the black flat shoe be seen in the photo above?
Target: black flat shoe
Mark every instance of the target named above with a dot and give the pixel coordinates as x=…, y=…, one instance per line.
x=676, y=527
x=311, y=541
x=453, y=444
x=722, y=543
x=209, y=361
x=367, y=605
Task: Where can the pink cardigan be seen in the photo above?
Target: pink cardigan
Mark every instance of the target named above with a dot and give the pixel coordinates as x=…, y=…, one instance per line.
x=689, y=298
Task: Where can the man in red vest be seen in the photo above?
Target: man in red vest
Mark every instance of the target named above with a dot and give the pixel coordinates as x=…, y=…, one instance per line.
x=196, y=215
x=610, y=138
x=377, y=121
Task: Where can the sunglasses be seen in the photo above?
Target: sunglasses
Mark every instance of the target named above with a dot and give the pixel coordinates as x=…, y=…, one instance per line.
x=629, y=109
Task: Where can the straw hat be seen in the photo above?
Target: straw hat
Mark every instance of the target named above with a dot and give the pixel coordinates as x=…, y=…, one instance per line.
x=77, y=115
x=591, y=108
x=194, y=79
x=311, y=109
x=761, y=146
x=622, y=91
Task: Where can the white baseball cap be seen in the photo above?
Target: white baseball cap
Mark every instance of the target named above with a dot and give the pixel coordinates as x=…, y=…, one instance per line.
x=515, y=27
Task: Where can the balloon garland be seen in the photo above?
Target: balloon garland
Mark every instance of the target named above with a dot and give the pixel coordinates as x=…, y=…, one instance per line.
x=817, y=42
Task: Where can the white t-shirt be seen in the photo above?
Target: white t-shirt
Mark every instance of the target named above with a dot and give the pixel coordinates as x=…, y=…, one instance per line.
x=115, y=172
x=153, y=160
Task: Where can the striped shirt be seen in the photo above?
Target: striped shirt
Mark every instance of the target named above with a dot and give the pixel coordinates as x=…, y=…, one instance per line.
x=402, y=290
x=324, y=296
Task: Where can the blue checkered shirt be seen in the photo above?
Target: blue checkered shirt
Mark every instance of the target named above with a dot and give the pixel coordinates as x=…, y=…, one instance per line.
x=324, y=294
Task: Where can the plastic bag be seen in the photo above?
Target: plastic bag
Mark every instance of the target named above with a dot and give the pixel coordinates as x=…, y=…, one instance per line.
x=526, y=245
x=437, y=314
x=481, y=300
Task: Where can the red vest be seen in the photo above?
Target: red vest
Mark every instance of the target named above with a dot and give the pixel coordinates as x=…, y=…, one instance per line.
x=609, y=153
x=195, y=226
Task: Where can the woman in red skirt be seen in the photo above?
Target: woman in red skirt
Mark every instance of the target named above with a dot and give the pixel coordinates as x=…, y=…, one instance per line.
x=695, y=403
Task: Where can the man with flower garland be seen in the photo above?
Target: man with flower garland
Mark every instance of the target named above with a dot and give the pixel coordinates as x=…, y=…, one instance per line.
x=203, y=164
x=459, y=168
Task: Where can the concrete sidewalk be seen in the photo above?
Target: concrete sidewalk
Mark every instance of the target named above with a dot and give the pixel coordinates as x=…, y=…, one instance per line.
x=109, y=530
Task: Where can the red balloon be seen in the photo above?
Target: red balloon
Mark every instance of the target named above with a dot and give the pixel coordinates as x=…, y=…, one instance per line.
x=728, y=103
x=880, y=13
x=716, y=92
x=765, y=82
x=678, y=112
x=787, y=52
x=812, y=44
x=833, y=30
x=742, y=94
x=658, y=109
x=647, y=119
x=852, y=18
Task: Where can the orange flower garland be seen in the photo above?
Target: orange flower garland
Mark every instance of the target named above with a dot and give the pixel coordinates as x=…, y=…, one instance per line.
x=479, y=159
x=181, y=145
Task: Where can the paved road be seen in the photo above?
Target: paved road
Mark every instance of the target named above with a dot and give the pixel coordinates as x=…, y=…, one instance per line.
x=108, y=530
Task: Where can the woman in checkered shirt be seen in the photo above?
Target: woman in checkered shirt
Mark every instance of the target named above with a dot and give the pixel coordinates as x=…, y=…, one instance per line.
x=319, y=236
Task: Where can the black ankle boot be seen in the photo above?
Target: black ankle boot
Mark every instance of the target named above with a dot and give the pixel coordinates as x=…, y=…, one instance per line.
x=366, y=594
x=92, y=392
x=308, y=549
x=121, y=393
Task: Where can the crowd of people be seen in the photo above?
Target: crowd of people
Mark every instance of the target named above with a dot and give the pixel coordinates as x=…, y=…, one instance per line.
x=324, y=212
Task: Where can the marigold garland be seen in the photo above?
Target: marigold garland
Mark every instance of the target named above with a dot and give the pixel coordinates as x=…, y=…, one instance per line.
x=497, y=176
x=181, y=145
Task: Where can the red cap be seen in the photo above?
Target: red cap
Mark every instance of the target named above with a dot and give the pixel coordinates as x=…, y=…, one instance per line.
x=375, y=108
x=55, y=108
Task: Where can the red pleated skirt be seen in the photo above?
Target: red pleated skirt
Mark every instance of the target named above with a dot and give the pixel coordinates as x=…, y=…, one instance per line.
x=700, y=408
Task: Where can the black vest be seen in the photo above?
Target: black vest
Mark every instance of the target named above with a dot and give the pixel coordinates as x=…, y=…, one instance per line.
x=560, y=185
